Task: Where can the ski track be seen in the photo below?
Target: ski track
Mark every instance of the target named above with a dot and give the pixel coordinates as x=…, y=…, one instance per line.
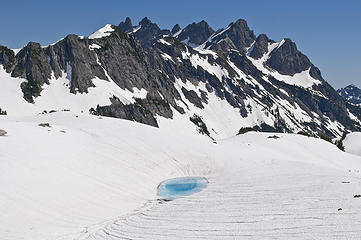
x=259, y=188
x=251, y=210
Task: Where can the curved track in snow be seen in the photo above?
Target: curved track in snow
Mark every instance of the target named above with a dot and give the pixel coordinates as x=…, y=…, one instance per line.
x=291, y=205
x=259, y=187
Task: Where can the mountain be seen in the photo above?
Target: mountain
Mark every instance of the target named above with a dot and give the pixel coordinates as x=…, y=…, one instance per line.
x=146, y=31
x=351, y=94
x=220, y=81
x=237, y=36
x=194, y=34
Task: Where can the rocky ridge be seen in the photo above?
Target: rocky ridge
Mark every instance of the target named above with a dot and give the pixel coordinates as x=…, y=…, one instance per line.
x=229, y=78
x=351, y=93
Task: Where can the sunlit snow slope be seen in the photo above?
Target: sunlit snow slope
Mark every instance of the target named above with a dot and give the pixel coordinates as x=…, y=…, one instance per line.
x=86, y=177
x=352, y=143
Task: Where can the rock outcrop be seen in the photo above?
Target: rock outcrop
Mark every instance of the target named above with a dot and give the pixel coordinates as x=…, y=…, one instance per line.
x=196, y=33
x=351, y=93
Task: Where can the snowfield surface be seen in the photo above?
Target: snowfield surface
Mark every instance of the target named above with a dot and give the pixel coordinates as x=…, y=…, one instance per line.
x=103, y=32
x=352, y=143
x=86, y=177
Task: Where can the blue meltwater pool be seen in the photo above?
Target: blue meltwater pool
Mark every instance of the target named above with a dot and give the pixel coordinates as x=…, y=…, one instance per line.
x=183, y=186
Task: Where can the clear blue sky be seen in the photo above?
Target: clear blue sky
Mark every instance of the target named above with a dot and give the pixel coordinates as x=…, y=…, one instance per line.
x=328, y=32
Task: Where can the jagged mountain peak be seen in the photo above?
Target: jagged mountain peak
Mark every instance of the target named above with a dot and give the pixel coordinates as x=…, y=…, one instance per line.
x=287, y=59
x=260, y=46
x=264, y=37
x=196, y=33
x=176, y=28
x=351, y=93
x=126, y=26
x=148, y=32
x=237, y=36
x=242, y=23
x=128, y=21
x=146, y=21
x=352, y=86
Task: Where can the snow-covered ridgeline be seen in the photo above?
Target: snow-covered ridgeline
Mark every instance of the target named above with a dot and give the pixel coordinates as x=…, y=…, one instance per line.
x=103, y=32
x=211, y=39
x=292, y=114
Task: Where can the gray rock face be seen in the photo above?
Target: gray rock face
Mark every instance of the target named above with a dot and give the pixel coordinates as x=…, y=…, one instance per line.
x=133, y=112
x=236, y=36
x=74, y=56
x=351, y=93
x=196, y=33
x=260, y=47
x=175, y=29
x=2, y=132
x=126, y=26
x=7, y=58
x=129, y=65
x=143, y=110
x=149, y=32
x=192, y=96
x=315, y=73
x=123, y=58
x=32, y=64
x=71, y=55
x=287, y=60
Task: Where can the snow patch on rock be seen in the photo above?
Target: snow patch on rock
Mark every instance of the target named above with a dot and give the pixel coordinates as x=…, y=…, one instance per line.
x=103, y=32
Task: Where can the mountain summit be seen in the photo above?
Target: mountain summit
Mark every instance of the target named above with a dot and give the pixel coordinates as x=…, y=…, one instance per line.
x=196, y=33
x=351, y=93
x=217, y=81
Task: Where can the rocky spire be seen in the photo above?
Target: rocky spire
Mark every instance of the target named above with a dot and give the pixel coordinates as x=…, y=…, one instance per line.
x=175, y=29
x=260, y=47
x=287, y=60
x=237, y=36
x=149, y=32
x=126, y=26
x=196, y=33
x=7, y=58
x=351, y=93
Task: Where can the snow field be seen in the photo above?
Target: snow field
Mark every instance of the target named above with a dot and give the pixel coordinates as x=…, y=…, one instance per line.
x=96, y=178
x=352, y=143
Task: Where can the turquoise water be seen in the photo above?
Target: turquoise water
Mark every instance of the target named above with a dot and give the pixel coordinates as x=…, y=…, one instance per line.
x=178, y=187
